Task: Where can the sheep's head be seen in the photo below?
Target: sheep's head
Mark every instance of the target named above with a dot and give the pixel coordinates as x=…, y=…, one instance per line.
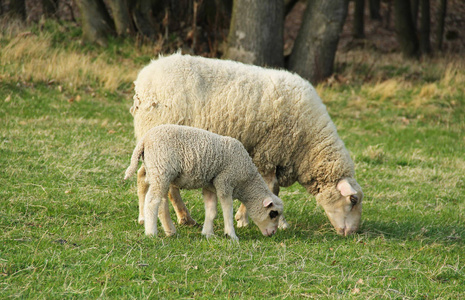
x=267, y=215
x=342, y=203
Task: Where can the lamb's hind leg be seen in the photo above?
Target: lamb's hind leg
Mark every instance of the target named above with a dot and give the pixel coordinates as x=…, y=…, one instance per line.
x=165, y=219
x=151, y=205
x=142, y=188
x=184, y=218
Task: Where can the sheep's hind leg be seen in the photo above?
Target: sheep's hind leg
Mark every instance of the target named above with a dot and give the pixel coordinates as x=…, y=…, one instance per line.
x=184, y=218
x=165, y=219
x=142, y=188
x=211, y=212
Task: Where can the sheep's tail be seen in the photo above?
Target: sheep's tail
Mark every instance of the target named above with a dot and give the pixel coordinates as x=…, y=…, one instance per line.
x=136, y=154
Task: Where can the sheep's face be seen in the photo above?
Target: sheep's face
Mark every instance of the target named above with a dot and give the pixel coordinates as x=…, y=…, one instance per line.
x=343, y=205
x=267, y=216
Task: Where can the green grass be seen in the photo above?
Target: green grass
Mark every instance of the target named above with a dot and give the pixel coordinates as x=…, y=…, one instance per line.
x=69, y=222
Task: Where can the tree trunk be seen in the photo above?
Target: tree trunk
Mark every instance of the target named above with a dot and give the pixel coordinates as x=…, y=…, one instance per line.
x=405, y=29
x=50, y=7
x=358, y=29
x=425, y=45
x=289, y=5
x=414, y=5
x=18, y=9
x=375, y=10
x=441, y=22
x=141, y=15
x=121, y=16
x=96, y=22
x=316, y=44
x=256, y=32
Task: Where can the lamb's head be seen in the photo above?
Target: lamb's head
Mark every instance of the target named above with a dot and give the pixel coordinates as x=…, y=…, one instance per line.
x=342, y=203
x=266, y=214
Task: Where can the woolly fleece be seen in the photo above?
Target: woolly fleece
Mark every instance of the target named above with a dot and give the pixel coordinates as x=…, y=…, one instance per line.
x=193, y=158
x=277, y=115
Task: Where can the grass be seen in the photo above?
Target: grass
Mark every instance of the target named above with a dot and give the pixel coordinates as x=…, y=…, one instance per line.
x=68, y=221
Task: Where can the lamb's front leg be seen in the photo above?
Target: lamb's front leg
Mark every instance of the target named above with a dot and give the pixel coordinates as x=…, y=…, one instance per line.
x=210, y=201
x=228, y=213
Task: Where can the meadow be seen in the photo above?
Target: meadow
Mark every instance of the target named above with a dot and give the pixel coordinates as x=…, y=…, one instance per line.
x=68, y=221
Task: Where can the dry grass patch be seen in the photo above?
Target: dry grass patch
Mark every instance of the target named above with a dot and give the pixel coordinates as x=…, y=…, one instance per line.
x=33, y=58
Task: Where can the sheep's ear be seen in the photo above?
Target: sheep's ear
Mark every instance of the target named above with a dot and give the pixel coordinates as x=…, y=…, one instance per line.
x=268, y=202
x=345, y=188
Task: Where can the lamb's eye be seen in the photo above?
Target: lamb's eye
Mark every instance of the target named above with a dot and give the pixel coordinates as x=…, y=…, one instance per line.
x=273, y=214
x=353, y=199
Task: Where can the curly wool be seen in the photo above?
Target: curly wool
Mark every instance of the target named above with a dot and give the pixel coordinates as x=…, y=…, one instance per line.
x=277, y=115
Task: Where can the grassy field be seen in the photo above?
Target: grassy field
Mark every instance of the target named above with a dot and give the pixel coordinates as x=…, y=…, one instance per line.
x=69, y=223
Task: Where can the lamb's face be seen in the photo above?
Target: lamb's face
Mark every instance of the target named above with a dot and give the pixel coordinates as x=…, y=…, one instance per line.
x=267, y=216
x=343, y=205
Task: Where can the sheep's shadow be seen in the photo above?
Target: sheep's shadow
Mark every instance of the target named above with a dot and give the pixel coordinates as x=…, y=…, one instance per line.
x=318, y=229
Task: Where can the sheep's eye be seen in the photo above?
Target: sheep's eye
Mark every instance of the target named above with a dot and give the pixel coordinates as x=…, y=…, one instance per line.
x=273, y=214
x=353, y=199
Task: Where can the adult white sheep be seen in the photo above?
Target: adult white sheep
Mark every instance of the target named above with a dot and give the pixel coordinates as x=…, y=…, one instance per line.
x=277, y=115
x=192, y=158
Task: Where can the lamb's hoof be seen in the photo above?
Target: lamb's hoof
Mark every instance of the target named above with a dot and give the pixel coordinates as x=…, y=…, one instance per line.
x=232, y=237
x=283, y=224
x=141, y=221
x=208, y=235
x=187, y=221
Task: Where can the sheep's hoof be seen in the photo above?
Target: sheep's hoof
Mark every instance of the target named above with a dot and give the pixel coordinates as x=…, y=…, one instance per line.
x=242, y=223
x=283, y=224
x=141, y=221
x=187, y=221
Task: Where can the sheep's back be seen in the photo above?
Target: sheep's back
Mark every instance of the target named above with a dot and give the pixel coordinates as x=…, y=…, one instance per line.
x=272, y=112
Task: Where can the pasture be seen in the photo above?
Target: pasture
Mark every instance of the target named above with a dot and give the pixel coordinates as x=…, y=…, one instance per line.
x=69, y=223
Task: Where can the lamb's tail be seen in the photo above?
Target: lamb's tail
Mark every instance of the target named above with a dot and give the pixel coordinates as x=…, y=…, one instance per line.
x=136, y=154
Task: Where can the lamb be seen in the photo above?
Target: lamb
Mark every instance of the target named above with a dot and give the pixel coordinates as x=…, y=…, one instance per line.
x=276, y=115
x=192, y=158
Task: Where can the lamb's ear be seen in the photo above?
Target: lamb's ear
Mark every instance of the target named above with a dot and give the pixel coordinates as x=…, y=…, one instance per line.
x=268, y=202
x=345, y=188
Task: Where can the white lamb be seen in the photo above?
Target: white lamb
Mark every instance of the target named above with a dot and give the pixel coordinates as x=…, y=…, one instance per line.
x=192, y=158
x=277, y=115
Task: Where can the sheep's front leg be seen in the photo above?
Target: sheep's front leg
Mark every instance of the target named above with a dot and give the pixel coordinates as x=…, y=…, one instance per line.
x=184, y=218
x=273, y=185
x=152, y=202
x=165, y=219
x=211, y=212
x=242, y=217
x=142, y=188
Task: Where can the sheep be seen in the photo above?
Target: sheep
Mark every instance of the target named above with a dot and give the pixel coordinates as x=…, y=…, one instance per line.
x=192, y=158
x=275, y=114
